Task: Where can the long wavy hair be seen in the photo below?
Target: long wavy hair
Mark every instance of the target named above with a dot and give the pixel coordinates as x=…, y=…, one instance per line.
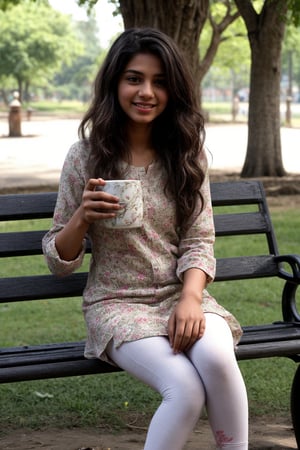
x=177, y=133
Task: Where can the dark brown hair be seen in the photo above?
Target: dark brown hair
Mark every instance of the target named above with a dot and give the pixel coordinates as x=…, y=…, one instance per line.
x=177, y=133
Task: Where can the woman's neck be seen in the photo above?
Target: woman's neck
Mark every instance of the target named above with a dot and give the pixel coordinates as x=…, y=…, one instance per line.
x=142, y=154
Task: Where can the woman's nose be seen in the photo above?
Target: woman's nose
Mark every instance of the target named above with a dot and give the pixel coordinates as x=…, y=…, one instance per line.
x=146, y=90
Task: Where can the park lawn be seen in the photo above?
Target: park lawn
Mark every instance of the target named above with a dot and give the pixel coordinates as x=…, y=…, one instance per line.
x=112, y=400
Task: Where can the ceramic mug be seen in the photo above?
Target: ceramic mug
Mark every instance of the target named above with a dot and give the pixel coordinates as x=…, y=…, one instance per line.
x=130, y=197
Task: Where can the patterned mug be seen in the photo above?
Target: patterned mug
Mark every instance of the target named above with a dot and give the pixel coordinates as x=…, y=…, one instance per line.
x=130, y=197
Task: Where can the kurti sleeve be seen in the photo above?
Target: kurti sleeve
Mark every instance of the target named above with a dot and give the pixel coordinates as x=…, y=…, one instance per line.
x=72, y=182
x=196, y=247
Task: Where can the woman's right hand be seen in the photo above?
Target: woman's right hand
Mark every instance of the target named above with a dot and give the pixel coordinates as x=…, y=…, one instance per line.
x=97, y=204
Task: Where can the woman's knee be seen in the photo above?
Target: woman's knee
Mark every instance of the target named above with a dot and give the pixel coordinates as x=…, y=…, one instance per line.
x=186, y=393
x=185, y=383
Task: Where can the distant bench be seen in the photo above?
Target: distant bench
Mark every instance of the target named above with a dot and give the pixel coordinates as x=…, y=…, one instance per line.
x=281, y=338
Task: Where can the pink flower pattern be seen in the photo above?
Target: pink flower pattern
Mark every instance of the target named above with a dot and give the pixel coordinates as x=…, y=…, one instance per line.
x=135, y=275
x=222, y=439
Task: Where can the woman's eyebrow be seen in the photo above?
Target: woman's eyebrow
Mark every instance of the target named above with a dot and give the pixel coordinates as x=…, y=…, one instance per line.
x=137, y=72
x=133, y=71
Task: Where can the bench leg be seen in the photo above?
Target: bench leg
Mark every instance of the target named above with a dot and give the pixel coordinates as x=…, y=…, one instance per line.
x=295, y=405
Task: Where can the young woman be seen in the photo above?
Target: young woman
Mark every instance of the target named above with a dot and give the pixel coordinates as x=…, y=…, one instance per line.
x=145, y=303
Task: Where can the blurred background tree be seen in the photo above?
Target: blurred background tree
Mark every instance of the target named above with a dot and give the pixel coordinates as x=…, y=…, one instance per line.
x=265, y=22
x=228, y=74
x=74, y=80
x=291, y=62
x=35, y=41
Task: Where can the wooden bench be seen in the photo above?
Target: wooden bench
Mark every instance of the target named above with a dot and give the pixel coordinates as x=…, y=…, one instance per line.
x=281, y=338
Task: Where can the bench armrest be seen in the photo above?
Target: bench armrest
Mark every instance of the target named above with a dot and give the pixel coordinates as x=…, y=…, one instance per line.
x=289, y=304
x=294, y=262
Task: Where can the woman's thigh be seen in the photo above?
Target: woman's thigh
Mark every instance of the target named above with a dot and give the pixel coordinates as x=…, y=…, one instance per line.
x=214, y=352
x=153, y=361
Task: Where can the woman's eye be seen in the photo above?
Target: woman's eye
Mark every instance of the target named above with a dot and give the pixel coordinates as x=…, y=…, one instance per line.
x=133, y=79
x=161, y=82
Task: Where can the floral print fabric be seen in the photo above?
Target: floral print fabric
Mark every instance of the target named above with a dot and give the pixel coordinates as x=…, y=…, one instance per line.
x=135, y=276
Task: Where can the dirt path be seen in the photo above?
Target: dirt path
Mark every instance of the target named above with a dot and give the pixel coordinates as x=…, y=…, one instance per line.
x=265, y=434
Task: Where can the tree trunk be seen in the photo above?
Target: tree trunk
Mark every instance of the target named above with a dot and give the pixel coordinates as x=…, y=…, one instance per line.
x=182, y=20
x=265, y=32
x=20, y=88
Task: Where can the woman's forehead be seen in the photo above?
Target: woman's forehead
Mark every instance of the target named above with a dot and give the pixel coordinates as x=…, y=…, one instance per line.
x=145, y=62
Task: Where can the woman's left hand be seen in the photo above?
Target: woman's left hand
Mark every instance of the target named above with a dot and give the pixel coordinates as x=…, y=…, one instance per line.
x=186, y=324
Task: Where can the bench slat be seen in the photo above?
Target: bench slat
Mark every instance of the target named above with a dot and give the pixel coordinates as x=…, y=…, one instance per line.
x=56, y=370
x=281, y=331
x=66, y=359
x=72, y=351
x=41, y=205
x=85, y=367
x=248, y=351
x=268, y=349
x=26, y=243
x=41, y=354
x=40, y=287
x=246, y=267
x=22, y=243
x=237, y=193
x=27, y=206
x=243, y=223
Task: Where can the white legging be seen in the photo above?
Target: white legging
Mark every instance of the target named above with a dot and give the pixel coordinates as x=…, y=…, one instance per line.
x=207, y=374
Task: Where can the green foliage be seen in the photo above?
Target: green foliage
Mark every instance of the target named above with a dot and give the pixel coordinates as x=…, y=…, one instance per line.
x=5, y=4
x=35, y=39
x=89, y=5
x=294, y=11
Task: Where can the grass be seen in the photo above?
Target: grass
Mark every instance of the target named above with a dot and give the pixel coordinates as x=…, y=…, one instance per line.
x=52, y=108
x=59, y=107
x=112, y=400
x=221, y=112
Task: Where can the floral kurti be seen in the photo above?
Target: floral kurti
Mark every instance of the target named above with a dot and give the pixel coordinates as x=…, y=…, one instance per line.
x=135, y=276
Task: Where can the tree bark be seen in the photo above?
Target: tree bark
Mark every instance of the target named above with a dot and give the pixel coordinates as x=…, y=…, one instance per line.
x=265, y=32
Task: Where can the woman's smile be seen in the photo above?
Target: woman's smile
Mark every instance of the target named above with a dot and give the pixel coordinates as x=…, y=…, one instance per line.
x=144, y=107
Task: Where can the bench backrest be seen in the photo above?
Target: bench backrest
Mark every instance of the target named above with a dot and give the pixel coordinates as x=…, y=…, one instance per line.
x=249, y=216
